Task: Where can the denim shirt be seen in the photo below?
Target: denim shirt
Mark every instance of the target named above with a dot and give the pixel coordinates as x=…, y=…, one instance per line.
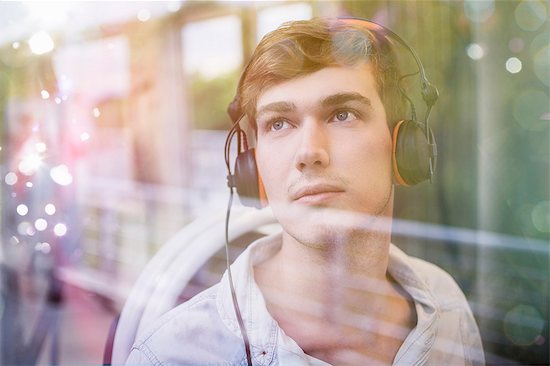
x=205, y=331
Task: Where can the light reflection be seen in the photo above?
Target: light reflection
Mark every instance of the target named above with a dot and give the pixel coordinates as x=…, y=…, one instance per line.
x=22, y=209
x=516, y=45
x=40, y=147
x=173, y=6
x=96, y=112
x=60, y=229
x=478, y=11
x=30, y=164
x=29, y=184
x=25, y=228
x=144, y=15
x=60, y=174
x=14, y=240
x=475, y=51
x=10, y=178
x=523, y=324
x=85, y=136
x=528, y=109
x=15, y=45
x=513, y=65
x=45, y=94
x=530, y=15
x=43, y=247
x=41, y=43
x=41, y=224
x=49, y=209
x=57, y=100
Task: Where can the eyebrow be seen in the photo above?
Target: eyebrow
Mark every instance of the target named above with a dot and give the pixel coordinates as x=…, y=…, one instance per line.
x=278, y=107
x=342, y=98
x=330, y=101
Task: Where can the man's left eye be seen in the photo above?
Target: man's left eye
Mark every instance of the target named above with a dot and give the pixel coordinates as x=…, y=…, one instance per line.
x=343, y=116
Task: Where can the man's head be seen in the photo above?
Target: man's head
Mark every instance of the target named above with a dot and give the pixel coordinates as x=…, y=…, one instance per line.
x=320, y=94
x=302, y=47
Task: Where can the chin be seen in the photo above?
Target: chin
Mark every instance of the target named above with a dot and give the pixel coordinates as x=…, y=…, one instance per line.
x=320, y=226
x=316, y=226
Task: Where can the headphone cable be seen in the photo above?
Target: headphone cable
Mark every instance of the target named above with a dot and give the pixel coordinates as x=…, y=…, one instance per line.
x=229, y=275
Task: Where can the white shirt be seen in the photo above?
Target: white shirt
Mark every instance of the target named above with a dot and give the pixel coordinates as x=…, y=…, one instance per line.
x=205, y=331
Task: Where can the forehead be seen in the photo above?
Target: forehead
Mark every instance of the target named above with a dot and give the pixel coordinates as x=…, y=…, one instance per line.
x=306, y=91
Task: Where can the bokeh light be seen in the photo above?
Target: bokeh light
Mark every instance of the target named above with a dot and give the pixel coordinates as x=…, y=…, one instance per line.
x=40, y=147
x=50, y=209
x=96, y=113
x=41, y=43
x=529, y=107
x=516, y=45
x=60, y=174
x=25, y=228
x=41, y=224
x=523, y=324
x=43, y=247
x=173, y=6
x=144, y=15
x=30, y=164
x=60, y=229
x=513, y=65
x=22, y=209
x=478, y=11
x=475, y=51
x=84, y=136
x=44, y=94
x=530, y=14
x=10, y=178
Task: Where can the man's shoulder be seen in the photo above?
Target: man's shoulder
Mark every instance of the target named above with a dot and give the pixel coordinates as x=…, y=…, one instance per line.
x=188, y=333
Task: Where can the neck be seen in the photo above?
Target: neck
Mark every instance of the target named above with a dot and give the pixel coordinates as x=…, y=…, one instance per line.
x=348, y=269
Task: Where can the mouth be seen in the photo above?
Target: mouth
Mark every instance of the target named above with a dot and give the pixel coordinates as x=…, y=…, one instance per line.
x=316, y=194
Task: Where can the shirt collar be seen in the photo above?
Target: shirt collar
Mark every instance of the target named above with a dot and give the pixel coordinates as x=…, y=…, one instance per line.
x=420, y=340
x=262, y=328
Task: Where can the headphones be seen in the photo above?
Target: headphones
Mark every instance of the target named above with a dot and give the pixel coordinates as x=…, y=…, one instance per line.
x=414, y=151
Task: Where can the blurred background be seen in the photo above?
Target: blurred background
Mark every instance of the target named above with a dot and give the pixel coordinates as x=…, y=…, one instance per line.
x=112, y=125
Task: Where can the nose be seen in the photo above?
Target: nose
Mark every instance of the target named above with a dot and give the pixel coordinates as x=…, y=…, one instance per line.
x=313, y=147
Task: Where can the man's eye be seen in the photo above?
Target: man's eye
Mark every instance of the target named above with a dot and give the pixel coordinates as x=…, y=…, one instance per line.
x=344, y=116
x=279, y=125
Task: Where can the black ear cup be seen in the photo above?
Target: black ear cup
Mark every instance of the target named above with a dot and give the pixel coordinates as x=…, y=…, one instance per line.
x=245, y=179
x=414, y=155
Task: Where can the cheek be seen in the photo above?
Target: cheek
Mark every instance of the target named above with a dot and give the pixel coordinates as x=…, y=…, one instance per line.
x=269, y=170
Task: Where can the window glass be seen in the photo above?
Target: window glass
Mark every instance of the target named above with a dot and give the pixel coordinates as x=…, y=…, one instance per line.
x=271, y=18
x=212, y=56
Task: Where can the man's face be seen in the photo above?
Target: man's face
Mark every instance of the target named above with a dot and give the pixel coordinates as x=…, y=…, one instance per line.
x=324, y=151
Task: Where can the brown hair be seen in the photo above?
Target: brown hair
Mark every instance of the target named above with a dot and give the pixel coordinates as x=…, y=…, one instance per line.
x=302, y=47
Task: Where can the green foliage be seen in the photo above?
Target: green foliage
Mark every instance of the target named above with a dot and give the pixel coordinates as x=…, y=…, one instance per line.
x=210, y=98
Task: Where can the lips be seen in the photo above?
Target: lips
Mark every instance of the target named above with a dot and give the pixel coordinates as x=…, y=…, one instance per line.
x=315, y=193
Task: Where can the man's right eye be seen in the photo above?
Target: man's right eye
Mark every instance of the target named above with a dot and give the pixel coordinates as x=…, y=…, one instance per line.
x=279, y=125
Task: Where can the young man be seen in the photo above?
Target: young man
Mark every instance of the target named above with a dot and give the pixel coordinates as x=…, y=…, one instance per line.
x=323, y=98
